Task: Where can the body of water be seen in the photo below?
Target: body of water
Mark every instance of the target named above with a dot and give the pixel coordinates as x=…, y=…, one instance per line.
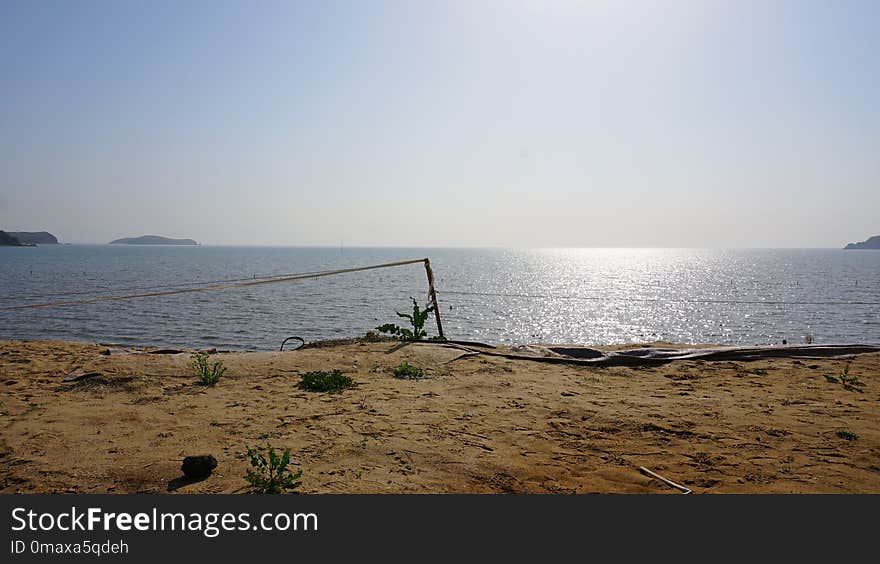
x=583, y=296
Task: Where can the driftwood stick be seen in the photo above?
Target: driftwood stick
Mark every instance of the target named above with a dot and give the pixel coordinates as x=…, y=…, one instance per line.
x=679, y=487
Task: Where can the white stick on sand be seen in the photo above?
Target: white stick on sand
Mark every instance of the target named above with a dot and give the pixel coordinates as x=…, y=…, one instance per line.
x=679, y=487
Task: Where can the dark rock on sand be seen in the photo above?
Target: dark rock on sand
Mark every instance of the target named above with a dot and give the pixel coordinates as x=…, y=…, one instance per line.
x=79, y=374
x=199, y=466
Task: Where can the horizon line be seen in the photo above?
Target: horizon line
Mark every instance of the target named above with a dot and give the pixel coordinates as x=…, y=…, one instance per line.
x=441, y=246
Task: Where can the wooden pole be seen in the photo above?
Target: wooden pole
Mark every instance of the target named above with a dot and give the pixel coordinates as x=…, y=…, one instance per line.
x=433, y=296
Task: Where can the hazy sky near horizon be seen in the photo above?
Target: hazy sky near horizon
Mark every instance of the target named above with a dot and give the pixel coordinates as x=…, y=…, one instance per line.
x=510, y=123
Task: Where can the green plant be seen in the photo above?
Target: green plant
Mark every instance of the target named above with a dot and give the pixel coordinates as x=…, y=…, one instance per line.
x=849, y=382
x=269, y=473
x=406, y=371
x=208, y=375
x=323, y=381
x=847, y=435
x=372, y=337
x=417, y=320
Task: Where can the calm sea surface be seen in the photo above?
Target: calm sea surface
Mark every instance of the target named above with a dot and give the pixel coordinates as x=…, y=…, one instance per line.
x=585, y=296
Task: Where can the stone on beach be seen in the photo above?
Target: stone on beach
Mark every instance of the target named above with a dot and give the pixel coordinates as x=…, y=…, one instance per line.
x=198, y=466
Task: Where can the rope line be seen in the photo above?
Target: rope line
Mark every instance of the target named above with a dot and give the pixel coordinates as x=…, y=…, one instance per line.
x=223, y=286
x=157, y=286
x=651, y=300
x=230, y=283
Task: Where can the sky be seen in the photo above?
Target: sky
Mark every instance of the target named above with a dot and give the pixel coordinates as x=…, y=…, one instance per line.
x=519, y=123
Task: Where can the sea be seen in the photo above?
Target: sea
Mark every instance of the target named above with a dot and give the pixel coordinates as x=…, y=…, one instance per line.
x=496, y=296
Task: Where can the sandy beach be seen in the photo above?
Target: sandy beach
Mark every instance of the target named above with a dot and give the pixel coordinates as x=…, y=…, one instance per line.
x=475, y=424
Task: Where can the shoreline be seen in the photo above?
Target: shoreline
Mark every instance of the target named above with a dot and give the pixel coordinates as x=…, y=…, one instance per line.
x=475, y=424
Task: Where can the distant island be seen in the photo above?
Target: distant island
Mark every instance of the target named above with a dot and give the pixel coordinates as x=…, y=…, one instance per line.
x=871, y=243
x=7, y=240
x=35, y=237
x=26, y=238
x=152, y=240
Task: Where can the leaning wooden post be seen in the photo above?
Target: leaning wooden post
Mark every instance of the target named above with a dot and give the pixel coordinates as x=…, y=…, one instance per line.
x=433, y=296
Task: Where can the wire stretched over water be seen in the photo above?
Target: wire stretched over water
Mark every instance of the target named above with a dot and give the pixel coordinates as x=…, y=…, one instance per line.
x=157, y=286
x=215, y=287
x=229, y=283
x=651, y=300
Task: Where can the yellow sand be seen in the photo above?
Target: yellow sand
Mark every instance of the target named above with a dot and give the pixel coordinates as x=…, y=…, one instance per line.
x=476, y=424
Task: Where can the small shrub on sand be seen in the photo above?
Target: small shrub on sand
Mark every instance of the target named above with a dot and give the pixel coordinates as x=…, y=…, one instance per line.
x=322, y=381
x=849, y=382
x=406, y=371
x=208, y=374
x=417, y=319
x=269, y=473
x=373, y=337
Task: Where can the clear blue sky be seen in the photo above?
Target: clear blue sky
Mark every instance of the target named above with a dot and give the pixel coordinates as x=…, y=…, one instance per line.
x=516, y=123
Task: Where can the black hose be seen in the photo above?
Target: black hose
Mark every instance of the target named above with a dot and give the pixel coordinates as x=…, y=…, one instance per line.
x=300, y=339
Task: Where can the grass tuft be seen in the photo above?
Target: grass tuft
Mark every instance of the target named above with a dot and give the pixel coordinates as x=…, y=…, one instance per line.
x=209, y=374
x=406, y=371
x=269, y=473
x=322, y=381
x=850, y=382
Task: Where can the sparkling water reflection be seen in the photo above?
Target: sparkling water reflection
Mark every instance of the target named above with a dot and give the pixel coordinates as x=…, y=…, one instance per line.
x=586, y=296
